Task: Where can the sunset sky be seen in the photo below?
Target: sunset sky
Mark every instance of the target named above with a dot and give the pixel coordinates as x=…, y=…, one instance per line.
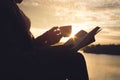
x=81, y=14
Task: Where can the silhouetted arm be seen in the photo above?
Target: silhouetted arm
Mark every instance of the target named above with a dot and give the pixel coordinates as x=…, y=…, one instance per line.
x=50, y=37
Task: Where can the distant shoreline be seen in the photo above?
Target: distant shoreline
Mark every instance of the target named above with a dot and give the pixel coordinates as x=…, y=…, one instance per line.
x=102, y=49
x=102, y=53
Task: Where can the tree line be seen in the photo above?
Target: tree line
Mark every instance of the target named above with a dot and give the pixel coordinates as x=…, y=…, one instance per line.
x=112, y=49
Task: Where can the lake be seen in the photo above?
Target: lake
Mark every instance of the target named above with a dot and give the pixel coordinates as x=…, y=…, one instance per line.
x=103, y=67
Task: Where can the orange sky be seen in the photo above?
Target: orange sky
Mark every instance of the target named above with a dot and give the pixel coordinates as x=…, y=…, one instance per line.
x=81, y=14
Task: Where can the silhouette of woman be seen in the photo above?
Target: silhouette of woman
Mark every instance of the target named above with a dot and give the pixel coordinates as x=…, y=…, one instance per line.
x=24, y=57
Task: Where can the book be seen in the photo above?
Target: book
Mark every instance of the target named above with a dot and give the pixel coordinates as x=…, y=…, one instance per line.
x=82, y=39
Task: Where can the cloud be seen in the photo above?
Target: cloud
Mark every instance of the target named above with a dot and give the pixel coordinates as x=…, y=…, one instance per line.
x=111, y=33
x=112, y=30
x=104, y=13
x=115, y=29
x=115, y=17
x=89, y=4
x=97, y=5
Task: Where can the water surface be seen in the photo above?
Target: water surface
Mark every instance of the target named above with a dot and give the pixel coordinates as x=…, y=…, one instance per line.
x=103, y=67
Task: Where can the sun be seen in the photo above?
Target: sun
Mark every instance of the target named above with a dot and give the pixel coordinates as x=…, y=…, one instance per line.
x=74, y=31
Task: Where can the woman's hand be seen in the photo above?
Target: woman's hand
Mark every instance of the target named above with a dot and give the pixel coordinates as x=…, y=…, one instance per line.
x=50, y=37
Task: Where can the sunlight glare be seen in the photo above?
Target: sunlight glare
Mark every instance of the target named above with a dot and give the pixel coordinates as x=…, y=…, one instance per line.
x=75, y=29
